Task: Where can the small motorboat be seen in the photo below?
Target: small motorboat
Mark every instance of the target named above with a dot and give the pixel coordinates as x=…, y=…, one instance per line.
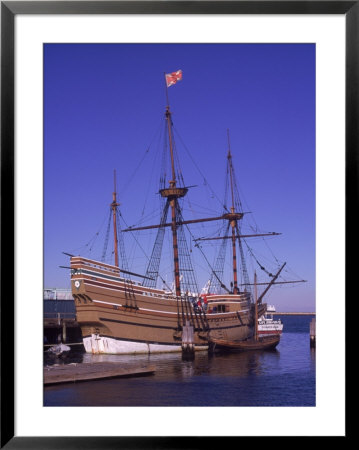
x=267, y=325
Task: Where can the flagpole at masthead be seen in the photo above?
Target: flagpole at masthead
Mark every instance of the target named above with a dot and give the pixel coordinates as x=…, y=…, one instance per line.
x=168, y=103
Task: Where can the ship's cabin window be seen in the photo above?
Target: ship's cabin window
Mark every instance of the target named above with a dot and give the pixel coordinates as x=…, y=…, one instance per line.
x=222, y=308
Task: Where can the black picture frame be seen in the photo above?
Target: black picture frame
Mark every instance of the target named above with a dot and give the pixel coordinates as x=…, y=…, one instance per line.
x=9, y=10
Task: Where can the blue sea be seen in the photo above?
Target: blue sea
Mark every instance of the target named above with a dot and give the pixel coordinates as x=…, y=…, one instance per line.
x=281, y=377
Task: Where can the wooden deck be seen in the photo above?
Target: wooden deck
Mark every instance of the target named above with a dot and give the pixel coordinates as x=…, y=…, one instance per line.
x=71, y=373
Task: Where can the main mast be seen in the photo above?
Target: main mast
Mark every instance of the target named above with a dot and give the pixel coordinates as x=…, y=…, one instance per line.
x=173, y=193
x=233, y=217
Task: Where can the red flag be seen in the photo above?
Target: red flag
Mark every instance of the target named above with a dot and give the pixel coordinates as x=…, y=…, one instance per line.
x=172, y=78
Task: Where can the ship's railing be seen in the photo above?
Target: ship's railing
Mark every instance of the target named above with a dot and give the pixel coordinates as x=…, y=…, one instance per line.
x=92, y=263
x=160, y=295
x=82, y=270
x=59, y=315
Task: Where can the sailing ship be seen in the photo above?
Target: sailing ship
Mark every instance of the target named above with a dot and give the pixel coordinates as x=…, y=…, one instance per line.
x=124, y=312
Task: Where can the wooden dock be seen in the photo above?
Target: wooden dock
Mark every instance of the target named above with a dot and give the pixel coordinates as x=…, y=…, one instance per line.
x=71, y=373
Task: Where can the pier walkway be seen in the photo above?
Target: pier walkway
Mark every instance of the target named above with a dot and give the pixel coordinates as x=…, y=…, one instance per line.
x=71, y=373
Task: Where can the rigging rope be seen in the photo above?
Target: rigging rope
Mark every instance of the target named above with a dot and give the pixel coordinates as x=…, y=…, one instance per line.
x=243, y=261
x=259, y=264
x=219, y=263
x=121, y=243
x=209, y=265
x=143, y=251
x=186, y=269
x=154, y=262
x=194, y=163
x=106, y=238
x=132, y=177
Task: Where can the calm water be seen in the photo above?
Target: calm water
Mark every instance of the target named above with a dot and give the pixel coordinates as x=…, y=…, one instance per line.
x=283, y=377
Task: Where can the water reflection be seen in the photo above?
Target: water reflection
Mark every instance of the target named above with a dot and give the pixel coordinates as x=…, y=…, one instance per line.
x=232, y=364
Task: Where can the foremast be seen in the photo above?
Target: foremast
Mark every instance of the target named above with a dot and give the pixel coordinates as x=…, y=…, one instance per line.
x=119, y=247
x=114, y=206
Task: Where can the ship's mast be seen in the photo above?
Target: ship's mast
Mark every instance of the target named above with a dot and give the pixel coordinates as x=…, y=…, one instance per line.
x=114, y=206
x=233, y=221
x=255, y=308
x=173, y=193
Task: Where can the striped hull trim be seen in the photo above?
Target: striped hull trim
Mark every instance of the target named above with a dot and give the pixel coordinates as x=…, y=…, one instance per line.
x=149, y=325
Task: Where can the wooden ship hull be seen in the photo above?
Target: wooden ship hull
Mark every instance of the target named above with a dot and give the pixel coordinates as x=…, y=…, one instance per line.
x=119, y=316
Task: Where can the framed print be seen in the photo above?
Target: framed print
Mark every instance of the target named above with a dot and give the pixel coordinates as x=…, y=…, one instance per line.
x=269, y=91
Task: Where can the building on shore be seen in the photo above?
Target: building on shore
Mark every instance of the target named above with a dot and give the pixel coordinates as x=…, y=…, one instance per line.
x=57, y=294
x=59, y=313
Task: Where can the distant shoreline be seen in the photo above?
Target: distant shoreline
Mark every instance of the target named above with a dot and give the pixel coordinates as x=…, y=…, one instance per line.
x=294, y=313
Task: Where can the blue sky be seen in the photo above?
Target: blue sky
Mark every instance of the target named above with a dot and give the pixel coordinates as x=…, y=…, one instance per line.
x=104, y=109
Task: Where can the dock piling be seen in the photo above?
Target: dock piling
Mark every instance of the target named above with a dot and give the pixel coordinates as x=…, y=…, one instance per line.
x=64, y=331
x=312, y=333
x=188, y=339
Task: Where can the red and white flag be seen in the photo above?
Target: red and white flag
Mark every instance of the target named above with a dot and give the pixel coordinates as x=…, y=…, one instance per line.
x=172, y=78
